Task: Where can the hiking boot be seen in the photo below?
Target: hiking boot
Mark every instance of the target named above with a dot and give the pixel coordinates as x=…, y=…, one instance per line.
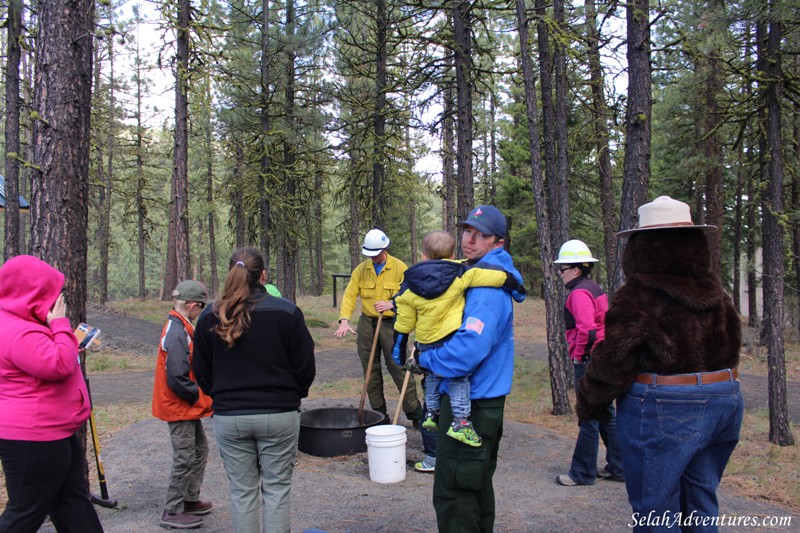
x=462, y=430
x=180, y=521
x=197, y=508
x=431, y=421
x=425, y=466
x=603, y=473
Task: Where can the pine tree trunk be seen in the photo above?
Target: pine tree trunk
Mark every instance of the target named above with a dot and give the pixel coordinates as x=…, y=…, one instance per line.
x=600, y=118
x=26, y=175
x=264, y=203
x=105, y=214
x=318, y=266
x=462, y=35
x=448, y=153
x=560, y=217
x=795, y=192
x=238, y=209
x=62, y=100
x=13, y=156
x=548, y=121
x=555, y=341
x=212, y=228
x=289, y=219
x=180, y=192
x=772, y=235
x=379, y=124
x=714, y=195
x=100, y=180
x=354, y=240
x=636, y=169
x=169, y=268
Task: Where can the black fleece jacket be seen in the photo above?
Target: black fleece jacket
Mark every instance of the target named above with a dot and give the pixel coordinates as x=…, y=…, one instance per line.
x=269, y=368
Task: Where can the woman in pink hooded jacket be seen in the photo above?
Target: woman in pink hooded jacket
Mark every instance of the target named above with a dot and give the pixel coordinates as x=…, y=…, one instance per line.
x=43, y=402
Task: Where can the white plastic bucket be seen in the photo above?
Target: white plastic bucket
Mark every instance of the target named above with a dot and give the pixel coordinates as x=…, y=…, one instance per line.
x=386, y=452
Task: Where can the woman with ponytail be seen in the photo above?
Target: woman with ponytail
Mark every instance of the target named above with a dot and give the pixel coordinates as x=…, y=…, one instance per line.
x=254, y=356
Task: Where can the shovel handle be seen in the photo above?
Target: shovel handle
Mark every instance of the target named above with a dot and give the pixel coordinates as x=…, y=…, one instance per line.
x=369, y=369
x=402, y=397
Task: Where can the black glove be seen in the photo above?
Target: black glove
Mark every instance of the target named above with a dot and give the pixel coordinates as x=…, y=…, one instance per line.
x=512, y=284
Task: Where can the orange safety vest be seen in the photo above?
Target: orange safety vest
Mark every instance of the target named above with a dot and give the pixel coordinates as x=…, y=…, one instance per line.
x=166, y=404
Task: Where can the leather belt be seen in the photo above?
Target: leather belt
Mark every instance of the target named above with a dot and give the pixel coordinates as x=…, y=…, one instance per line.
x=698, y=378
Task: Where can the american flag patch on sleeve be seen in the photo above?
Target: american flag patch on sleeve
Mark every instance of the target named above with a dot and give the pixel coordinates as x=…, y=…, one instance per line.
x=474, y=324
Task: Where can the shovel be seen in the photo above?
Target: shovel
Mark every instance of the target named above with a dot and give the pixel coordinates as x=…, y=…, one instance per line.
x=103, y=500
x=402, y=397
x=369, y=369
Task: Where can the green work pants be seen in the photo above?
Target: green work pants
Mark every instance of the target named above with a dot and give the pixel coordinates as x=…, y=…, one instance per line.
x=463, y=493
x=366, y=334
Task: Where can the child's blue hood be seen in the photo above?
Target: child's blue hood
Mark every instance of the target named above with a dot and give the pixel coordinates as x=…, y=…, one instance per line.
x=431, y=279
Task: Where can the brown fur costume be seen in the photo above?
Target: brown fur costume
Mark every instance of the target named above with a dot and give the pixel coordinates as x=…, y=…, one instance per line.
x=672, y=316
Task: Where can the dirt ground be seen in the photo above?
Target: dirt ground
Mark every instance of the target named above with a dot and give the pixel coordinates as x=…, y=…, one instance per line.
x=336, y=494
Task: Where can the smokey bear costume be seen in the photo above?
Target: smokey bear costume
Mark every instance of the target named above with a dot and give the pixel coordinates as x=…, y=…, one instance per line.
x=669, y=357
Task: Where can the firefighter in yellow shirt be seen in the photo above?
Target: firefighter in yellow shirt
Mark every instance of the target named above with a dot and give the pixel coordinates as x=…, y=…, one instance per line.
x=376, y=281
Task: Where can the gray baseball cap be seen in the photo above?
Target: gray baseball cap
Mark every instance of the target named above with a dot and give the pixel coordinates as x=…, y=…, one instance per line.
x=190, y=291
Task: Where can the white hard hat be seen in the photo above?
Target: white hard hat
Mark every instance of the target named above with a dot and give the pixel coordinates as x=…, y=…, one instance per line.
x=575, y=251
x=375, y=241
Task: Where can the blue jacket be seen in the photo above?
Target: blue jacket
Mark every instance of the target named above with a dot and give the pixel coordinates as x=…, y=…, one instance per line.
x=483, y=347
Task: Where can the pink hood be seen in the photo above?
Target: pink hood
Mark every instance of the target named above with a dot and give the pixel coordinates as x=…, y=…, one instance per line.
x=43, y=394
x=29, y=287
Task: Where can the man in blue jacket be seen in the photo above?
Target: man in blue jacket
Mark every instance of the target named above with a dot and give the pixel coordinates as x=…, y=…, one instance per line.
x=483, y=349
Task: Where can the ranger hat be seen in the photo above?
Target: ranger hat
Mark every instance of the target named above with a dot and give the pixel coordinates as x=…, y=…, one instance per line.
x=665, y=213
x=190, y=291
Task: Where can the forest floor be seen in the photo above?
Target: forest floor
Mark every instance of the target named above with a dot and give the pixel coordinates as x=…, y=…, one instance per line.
x=336, y=494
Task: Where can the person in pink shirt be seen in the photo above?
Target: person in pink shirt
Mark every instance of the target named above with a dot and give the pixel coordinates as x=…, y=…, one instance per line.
x=584, y=320
x=43, y=403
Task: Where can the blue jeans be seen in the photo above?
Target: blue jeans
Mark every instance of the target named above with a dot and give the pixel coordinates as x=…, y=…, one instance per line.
x=258, y=450
x=428, y=437
x=458, y=390
x=676, y=442
x=584, y=458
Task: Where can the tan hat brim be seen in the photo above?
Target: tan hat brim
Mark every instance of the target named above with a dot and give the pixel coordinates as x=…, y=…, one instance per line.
x=703, y=227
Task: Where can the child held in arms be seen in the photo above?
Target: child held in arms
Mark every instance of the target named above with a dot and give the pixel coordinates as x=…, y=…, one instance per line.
x=431, y=301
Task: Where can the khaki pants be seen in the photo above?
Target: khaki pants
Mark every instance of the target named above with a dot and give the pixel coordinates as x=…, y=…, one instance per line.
x=258, y=452
x=189, y=455
x=365, y=335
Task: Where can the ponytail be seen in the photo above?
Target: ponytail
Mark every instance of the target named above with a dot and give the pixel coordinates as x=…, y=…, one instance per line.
x=234, y=305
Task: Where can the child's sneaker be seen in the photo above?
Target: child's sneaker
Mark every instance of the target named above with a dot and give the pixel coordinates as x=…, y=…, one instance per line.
x=462, y=430
x=430, y=421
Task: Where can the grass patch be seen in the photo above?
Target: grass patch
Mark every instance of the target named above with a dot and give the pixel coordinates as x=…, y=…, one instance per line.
x=151, y=310
x=761, y=470
x=116, y=362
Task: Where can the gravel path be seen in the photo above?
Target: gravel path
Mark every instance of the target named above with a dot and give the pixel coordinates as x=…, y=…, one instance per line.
x=336, y=494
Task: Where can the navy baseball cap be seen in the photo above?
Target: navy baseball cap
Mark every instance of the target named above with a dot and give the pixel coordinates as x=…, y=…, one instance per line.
x=488, y=220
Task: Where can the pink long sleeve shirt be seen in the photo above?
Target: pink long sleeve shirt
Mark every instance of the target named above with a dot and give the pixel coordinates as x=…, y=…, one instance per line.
x=584, y=317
